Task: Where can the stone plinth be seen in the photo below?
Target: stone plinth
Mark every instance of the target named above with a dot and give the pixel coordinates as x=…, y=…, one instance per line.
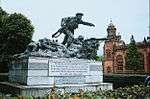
x=37, y=71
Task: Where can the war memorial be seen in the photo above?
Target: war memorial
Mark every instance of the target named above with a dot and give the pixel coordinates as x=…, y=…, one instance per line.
x=67, y=66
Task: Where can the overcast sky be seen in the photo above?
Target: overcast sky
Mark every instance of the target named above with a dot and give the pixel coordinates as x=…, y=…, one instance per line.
x=129, y=16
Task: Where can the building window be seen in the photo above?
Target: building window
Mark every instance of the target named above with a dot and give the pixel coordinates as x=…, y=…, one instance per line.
x=119, y=62
x=108, y=54
x=108, y=69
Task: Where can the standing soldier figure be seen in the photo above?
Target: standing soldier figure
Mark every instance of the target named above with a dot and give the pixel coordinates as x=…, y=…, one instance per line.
x=68, y=25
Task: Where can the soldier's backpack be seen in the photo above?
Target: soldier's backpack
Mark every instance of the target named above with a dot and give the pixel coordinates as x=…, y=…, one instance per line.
x=65, y=21
x=69, y=22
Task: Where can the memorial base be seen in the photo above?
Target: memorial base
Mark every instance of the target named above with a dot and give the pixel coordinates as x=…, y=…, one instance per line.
x=42, y=90
x=36, y=76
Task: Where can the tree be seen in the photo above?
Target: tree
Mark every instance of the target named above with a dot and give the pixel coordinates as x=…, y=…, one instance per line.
x=132, y=56
x=3, y=15
x=15, y=34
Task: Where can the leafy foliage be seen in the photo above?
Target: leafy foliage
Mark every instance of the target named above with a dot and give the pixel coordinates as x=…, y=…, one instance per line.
x=132, y=57
x=3, y=15
x=133, y=92
x=99, y=58
x=15, y=32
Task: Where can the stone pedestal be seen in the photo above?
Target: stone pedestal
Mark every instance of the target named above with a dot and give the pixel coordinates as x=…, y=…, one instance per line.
x=47, y=71
x=39, y=74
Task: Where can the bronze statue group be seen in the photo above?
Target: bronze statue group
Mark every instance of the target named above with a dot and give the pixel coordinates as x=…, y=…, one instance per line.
x=71, y=46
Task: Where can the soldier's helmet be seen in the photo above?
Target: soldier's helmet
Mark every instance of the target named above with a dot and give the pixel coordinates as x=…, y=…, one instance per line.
x=79, y=14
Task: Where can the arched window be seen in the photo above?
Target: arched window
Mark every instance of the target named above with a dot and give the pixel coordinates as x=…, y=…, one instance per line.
x=119, y=62
x=108, y=54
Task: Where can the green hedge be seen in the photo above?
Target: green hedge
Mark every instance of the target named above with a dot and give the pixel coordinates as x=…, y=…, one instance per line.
x=124, y=80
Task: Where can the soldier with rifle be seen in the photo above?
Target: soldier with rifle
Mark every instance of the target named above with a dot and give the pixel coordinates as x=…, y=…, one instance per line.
x=68, y=25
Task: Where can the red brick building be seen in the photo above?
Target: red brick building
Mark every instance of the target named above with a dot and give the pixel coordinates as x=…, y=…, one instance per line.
x=115, y=53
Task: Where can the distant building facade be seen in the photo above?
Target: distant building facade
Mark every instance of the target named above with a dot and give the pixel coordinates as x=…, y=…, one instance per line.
x=114, y=52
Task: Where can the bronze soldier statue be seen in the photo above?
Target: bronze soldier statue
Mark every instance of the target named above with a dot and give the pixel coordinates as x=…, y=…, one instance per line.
x=68, y=25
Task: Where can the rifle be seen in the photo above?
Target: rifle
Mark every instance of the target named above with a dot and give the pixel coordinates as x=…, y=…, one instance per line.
x=61, y=30
x=96, y=39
